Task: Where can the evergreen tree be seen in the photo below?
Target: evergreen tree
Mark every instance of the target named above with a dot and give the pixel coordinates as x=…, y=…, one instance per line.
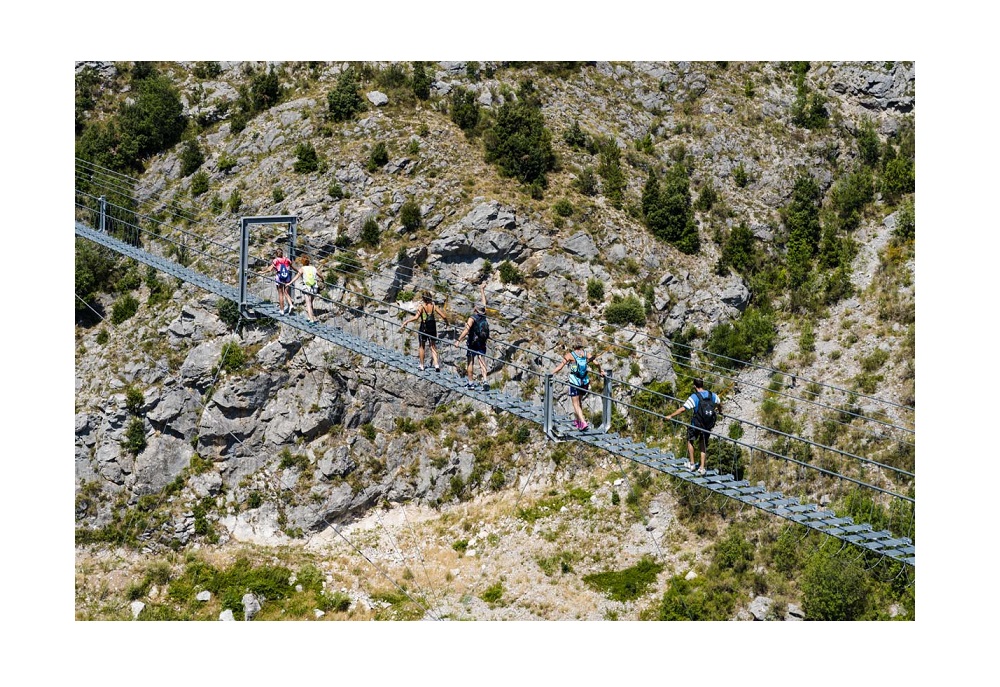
x=519, y=144
x=344, y=101
x=421, y=81
x=667, y=210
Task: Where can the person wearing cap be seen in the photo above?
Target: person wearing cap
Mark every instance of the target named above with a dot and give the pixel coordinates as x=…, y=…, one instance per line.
x=428, y=328
x=476, y=347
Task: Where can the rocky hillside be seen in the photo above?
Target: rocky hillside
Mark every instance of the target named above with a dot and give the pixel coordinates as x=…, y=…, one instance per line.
x=396, y=499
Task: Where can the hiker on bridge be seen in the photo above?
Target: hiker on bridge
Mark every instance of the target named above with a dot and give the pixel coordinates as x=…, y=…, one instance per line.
x=705, y=406
x=477, y=328
x=310, y=284
x=427, y=331
x=579, y=379
x=282, y=268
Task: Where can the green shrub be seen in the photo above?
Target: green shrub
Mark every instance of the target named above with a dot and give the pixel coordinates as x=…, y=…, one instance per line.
x=233, y=357
x=277, y=194
x=191, y=158
x=379, y=156
x=344, y=101
x=130, y=281
x=235, y=201
x=595, y=290
x=611, y=172
x=707, y=198
x=226, y=162
x=627, y=310
x=493, y=594
x=421, y=81
x=368, y=431
x=228, y=311
x=199, y=183
x=102, y=337
x=898, y=178
x=134, y=440
x=509, y=274
x=150, y=122
x=519, y=144
x=575, y=137
x=628, y=584
x=747, y=339
x=733, y=553
x=869, y=147
x=335, y=191
x=206, y=70
x=834, y=589
x=740, y=176
x=94, y=267
x=370, y=232
x=133, y=400
x=409, y=215
x=849, y=196
x=563, y=208
x=306, y=158
x=586, y=182
x=124, y=308
x=464, y=110
x=667, y=211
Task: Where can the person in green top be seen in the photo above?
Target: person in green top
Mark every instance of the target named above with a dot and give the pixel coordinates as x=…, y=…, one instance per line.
x=310, y=284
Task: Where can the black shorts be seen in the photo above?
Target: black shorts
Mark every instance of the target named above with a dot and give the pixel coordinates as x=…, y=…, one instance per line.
x=697, y=435
x=427, y=333
x=471, y=353
x=578, y=390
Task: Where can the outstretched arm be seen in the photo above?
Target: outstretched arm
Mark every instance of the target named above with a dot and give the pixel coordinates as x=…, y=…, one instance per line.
x=482, y=290
x=407, y=321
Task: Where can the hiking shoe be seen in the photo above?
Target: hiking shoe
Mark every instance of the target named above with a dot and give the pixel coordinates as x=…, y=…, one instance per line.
x=420, y=367
x=701, y=471
x=470, y=385
x=437, y=369
x=689, y=466
x=583, y=426
x=486, y=386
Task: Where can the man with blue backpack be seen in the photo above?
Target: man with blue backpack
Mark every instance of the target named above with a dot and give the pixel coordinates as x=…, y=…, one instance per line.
x=477, y=328
x=705, y=406
x=579, y=378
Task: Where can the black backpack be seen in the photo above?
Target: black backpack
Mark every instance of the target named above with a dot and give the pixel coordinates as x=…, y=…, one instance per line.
x=480, y=332
x=704, y=411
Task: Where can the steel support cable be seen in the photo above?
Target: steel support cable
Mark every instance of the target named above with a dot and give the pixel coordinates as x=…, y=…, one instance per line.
x=746, y=422
x=395, y=546
x=315, y=511
x=673, y=361
x=773, y=454
x=159, y=237
x=230, y=293
x=549, y=306
x=119, y=186
x=82, y=162
x=139, y=215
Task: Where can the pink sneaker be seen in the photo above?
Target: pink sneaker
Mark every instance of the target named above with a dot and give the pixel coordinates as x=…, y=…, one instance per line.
x=583, y=426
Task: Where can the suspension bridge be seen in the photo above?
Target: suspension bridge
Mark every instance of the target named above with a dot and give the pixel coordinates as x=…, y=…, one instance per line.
x=363, y=324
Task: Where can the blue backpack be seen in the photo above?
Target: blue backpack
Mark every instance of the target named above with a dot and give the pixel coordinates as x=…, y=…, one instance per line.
x=578, y=374
x=480, y=332
x=284, y=273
